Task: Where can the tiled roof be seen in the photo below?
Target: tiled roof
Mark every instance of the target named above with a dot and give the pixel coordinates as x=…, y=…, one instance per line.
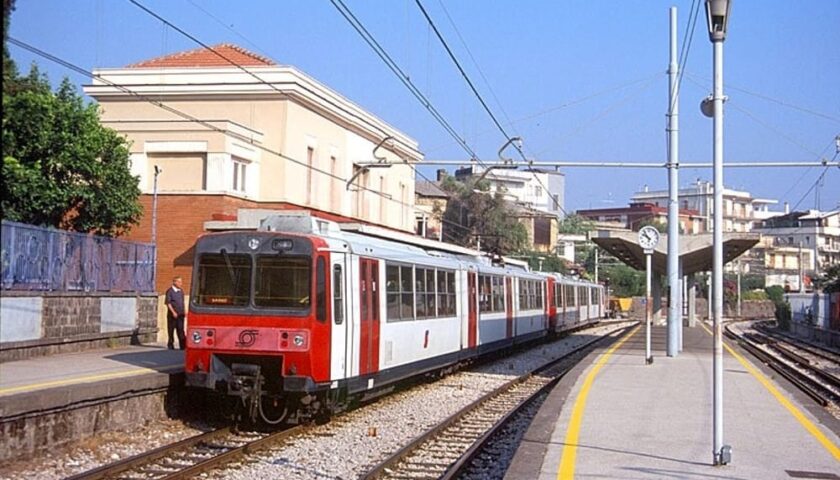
x=205, y=57
x=429, y=189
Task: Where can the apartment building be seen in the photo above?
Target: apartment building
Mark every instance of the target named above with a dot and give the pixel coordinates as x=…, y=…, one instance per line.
x=742, y=212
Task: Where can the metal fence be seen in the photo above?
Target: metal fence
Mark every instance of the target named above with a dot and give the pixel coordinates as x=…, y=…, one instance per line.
x=46, y=259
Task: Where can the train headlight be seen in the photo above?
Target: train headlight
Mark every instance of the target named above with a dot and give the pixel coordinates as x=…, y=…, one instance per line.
x=298, y=340
x=196, y=336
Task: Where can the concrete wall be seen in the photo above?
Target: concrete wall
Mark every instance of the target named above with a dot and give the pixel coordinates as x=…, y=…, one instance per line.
x=36, y=324
x=810, y=309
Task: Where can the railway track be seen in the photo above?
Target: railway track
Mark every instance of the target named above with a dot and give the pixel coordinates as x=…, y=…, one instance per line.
x=447, y=449
x=220, y=448
x=810, y=369
x=190, y=456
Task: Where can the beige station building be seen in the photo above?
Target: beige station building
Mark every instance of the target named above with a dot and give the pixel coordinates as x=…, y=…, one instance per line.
x=229, y=130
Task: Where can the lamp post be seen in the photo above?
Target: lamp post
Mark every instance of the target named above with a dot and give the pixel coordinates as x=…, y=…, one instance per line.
x=717, y=18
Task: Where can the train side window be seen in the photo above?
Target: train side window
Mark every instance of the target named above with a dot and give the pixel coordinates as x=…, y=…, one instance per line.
x=321, y=290
x=338, y=295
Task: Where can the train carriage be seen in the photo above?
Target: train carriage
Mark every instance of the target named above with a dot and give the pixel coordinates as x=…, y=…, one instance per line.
x=300, y=317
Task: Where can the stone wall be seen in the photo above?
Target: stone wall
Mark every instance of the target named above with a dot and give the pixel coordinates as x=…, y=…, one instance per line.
x=44, y=323
x=749, y=309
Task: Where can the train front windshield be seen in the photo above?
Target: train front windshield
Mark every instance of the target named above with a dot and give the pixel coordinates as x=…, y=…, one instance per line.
x=280, y=282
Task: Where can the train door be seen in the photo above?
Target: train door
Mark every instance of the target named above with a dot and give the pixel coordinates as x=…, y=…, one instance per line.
x=551, y=303
x=472, y=310
x=341, y=337
x=369, y=316
x=509, y=306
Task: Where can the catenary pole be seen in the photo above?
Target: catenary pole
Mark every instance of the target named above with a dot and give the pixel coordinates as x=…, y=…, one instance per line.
x=717, y=16
x=674, y=314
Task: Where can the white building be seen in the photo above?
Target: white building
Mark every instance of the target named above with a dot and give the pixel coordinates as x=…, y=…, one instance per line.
x=742, y=212
x=539, y=189
x=810, y=238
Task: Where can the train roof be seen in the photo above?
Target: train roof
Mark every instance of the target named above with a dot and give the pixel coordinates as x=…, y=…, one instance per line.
x=395, y=246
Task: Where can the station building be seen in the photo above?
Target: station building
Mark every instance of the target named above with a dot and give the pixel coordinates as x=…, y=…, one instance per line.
x=213, y=132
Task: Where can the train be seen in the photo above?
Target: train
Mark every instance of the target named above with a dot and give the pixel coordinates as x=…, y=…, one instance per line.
x=300, y=318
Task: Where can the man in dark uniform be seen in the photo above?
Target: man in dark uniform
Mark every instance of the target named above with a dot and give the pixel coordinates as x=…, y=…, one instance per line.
x=175, y=314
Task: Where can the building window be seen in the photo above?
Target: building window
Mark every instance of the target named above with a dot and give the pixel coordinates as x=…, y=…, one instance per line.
x=542, y=231
x=310, y=158
x=239, y=170
x=537, y=191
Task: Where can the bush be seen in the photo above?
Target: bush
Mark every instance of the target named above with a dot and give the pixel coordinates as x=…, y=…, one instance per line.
x=783, y=315
x=754, y=295
x=776, y=293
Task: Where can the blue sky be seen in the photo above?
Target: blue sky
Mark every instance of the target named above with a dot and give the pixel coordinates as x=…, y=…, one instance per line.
x=577, y=80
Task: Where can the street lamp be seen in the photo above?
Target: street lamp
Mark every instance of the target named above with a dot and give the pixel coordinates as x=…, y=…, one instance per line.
x=717, y=17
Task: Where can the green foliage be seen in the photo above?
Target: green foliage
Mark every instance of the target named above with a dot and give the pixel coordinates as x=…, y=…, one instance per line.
x=659, y=225
x=544, y=262
x=783, y=315
x=624, y=281
x=830, y=280
x=474, y=213
x=575, y=225
x=61, y=168
x=754, y=295
x=776, y=293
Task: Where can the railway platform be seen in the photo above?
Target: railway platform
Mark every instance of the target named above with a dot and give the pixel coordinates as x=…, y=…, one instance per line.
x=616, y=417
x=50, y=401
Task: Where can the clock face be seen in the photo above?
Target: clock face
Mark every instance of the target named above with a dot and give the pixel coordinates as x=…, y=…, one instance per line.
x=648, y=237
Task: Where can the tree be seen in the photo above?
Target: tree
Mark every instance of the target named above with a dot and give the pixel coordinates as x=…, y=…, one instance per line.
x=61, y=167
x=545, y=262
x=576, y=225
x=475, y=214
x=830, y=280
x=625, y=281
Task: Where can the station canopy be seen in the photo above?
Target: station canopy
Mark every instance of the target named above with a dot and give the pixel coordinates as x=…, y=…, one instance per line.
x=695, y=250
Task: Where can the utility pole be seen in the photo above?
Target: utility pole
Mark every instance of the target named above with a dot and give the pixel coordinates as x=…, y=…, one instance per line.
x=674, y=303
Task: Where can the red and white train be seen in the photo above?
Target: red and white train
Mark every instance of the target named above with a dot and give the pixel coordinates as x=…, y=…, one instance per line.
x=301, y=317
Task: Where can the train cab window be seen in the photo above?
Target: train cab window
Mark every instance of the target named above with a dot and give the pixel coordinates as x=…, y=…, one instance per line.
x=224, y=280
x=338, y=295
x=283, y=282
x=321, y=290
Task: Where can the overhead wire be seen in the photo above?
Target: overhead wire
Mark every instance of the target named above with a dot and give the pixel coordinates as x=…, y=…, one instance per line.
x=393, y=64
x=205, y=123
x=405, y=79
x=509, y=139
x=247, y=71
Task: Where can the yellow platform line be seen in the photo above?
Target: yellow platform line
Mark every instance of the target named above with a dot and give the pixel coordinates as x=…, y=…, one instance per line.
x=88, y=379
x=569, y=455
x=797, y=414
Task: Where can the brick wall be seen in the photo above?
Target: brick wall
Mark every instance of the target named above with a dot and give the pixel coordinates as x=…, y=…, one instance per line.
x=180, y=221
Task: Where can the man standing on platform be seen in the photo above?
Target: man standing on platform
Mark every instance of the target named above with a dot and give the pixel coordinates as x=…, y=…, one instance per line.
x=175, y=314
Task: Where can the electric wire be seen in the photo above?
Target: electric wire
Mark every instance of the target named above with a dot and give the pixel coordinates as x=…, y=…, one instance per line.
x=228, y=27
x=205, y=123
x=405, y=79
x=498, y=124
x=756, y=119
x=248, y=71
x=375, y=44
